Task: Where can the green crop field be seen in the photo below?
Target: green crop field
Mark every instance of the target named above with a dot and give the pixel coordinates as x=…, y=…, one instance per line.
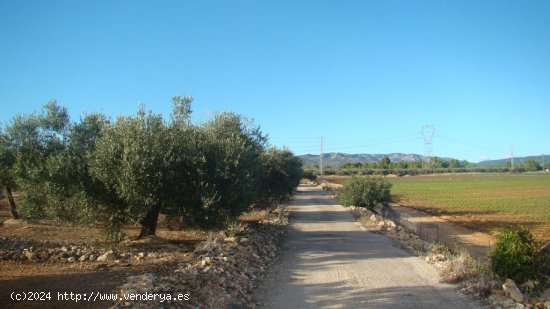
x=486, y=202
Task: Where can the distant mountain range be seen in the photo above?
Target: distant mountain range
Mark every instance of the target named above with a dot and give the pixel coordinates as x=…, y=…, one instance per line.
x=519, y=160
x=337, y=159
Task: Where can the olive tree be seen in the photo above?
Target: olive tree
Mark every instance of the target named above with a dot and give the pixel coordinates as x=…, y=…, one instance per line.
x=142, y=161
x=229, y=170
x=130, y=160
x=282, y=172
x=76, y=194
x=36, y=140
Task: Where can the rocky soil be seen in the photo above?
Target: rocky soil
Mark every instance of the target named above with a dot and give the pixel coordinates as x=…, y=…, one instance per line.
x=220, y=272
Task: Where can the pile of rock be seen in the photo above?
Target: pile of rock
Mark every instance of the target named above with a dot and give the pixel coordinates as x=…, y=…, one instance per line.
x=510, y=296
x=35, y=252
x=222, y=273
x=376, y=223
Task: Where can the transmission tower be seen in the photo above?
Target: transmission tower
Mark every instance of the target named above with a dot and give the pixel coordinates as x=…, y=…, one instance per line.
x=428, y=133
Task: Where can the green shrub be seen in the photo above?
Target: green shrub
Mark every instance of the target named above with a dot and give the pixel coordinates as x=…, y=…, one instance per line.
x=514, y=255
x=365, y=192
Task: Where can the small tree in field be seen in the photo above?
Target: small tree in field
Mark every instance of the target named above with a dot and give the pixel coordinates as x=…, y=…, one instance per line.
x=385, y=163
x=365, y=192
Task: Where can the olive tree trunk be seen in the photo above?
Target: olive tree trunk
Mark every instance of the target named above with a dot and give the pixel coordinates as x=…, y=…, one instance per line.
x=149, y=223
x=13, y=205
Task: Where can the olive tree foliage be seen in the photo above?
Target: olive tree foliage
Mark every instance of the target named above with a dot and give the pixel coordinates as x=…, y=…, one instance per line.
x=37, y=141
x=229, y=170
x=81, y=193
x=50, y=163
x=282, y=174
x=132, y=159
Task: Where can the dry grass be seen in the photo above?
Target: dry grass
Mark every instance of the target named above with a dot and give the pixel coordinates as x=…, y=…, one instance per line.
x=460, y=266
x=255, y=216
x=455, y=265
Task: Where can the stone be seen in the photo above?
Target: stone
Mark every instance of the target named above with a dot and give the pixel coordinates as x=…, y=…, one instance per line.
x=31, y=256
x=373, y=218
x=206, y=246
x=231, y=239
x=71, y=259
x=43, y=255
x=84, y=257
x=508, y=303
x=512, y=289
x=109, y=256
x=404, y=235
x=390, y=223
x=93, y=257
x=205, y=261
x=545, y=297
x=529, y=284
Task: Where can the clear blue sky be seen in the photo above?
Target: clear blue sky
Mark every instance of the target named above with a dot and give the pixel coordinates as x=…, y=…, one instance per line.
x=355, y=72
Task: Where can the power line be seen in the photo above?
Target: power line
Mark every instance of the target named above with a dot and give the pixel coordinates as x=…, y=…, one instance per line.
x=370, y=145
x=468, y=144
x=347, y=144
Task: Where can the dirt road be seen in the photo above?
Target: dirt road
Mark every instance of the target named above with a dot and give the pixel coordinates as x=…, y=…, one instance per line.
x=330, y=262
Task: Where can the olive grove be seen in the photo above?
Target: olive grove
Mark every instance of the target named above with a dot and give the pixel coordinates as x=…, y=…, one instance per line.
x=113, y=172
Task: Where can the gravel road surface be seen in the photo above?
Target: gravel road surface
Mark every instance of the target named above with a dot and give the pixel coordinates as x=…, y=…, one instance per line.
x=330, y=262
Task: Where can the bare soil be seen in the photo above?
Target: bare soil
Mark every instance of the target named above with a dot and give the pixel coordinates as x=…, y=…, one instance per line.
x=57, y=276
x=84, y=277
x=172, y=248
x=439, y=228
